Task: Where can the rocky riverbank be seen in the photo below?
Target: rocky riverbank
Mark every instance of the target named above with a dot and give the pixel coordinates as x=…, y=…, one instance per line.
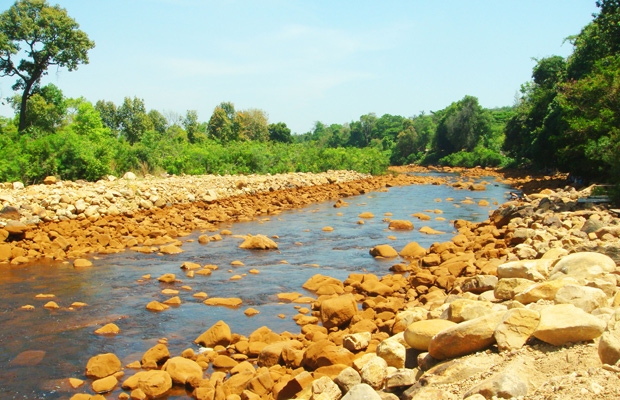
x=523, y=305
x=60, y=220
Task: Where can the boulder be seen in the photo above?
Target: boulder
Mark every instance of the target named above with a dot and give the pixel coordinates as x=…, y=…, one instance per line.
x=542, y=291
x=258, y=242
x=356, y=341
x=565, y=323
x=347, y=378
x=102, y=365
x=584, y=297
x=508, y=288
x=383, y=250
x=374, y=372
x=464, y=338
x=502, y=385
x=319, y=281
x=105, y=385
x=218, y=334
x=583, y=267
x=181, y=369
x=479, y=284
x=515, y=328
x=226, y=302
x=361, y=392
x=418, y=335
x=155, y=355
x=609, y=344
x=324, y=353
x=338, y=311
x=392, y=352
x=401, y=225
x=533, y=270
x=154, y=383
x=412, y=250
x=326, y=388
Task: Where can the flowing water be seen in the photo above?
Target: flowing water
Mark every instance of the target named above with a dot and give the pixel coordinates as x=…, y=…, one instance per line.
x=65, y=338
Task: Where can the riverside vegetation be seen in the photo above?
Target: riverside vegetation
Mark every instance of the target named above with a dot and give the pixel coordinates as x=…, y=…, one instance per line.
x=566, y=118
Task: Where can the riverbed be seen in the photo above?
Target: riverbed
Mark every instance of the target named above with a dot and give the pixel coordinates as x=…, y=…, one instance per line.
x=114, y=290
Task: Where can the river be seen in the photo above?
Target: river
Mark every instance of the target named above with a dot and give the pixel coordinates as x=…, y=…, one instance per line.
x=113, y=293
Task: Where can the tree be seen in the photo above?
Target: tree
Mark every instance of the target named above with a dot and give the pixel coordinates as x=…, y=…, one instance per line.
x=362, y=131
x=280, y=133
x=251, y=124
x=45, y=36
x=462, y=126
x=220, y=127
x=191, y=125
x=406, y=144
x=134, y=121
x=46, y=109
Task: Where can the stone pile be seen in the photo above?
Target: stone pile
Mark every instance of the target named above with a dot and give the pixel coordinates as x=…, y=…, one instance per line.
x=148, y=215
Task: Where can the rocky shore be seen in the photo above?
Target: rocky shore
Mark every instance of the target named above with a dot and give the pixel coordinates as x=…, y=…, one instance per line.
x=523, y=305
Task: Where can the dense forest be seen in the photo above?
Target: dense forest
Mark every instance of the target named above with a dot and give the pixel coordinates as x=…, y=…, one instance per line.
x=567, y=118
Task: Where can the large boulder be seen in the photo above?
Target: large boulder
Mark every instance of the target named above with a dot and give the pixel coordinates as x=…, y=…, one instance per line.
x=515, y=328
x=401, y=225
x=565, y=323
x=584, y=267
x=361, y=391
x=609, y=344
x=218, y=334
x=412, y=250
x=153, y=383
x=102, y=365
x=418, y=335
x=155, y=355
x=466, y=337
x=325, y=353
x=383, y=250
x=338, y=311
x=181, y=369
x=392, y=352
x=584, y=297
x=534, y=270
x=258, y=242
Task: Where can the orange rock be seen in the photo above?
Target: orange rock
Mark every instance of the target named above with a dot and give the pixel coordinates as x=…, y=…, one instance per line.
x=412, y=250
x=51, y=305
x=81, y=263
x=102, y=365
x=366, y=215
x=258, y=242
x=401, y=225
x=108, y=329
x=78, y=304
x=235, y=278
x=167, y=278
x=251, y=312
x=27, y=307
x=173, y=301
x=156, y=306
x=190, y=266
x=169, y=292
x=227, y=302
x=218, y=334
x=200, y=295
x=327, y=229
x=430, y=231
x=383, y=250
x=170, y=249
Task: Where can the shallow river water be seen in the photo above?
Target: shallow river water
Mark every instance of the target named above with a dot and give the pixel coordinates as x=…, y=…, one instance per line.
x=111, y=290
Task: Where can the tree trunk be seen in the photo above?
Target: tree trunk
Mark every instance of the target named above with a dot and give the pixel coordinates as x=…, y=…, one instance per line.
x=22, y=107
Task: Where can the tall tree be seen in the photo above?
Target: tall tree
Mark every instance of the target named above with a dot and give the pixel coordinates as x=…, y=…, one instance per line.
x=462, y=126
x=134, y=121
x=44, y=36
x=191, y=125
x=280, y=133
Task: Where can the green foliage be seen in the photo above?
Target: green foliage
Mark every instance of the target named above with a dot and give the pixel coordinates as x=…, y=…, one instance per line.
x=46, y=36
x=280, y=133
x=480, y=156
x=462, y=126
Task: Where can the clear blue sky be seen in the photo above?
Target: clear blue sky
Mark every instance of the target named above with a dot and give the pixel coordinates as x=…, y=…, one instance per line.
x=303, y=61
